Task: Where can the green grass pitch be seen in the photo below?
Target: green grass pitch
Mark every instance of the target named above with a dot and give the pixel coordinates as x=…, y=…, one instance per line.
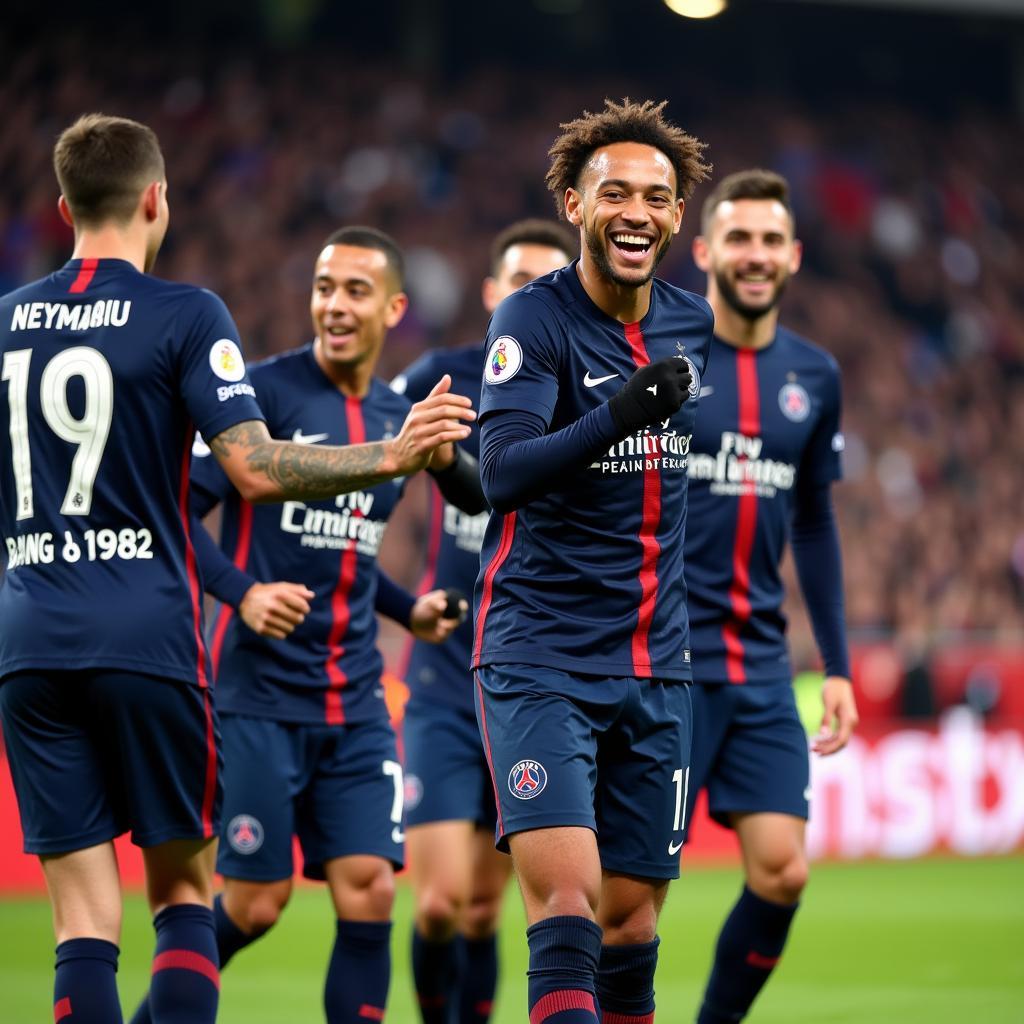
x=925, y=942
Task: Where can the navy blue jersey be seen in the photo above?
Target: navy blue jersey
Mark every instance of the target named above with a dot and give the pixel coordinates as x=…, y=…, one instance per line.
x=589, y=577
x=328, y=670
x=441, y=671
x=106, y=375
x=768, y=428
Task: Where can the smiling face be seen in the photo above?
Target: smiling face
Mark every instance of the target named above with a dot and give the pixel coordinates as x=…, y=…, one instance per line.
x=354, y=303
x=749, y=254
x=628, y=211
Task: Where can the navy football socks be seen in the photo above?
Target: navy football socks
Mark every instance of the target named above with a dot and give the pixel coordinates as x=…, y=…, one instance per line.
x=479, y=980
x=625, y=983
x=230, y=938
x=186, y=979
x=435, y=974
x=85, y=988
x=356, y=990
x=564, y=954
x=749, y=947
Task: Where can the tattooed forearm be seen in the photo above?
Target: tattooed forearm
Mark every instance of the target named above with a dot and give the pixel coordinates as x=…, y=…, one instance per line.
x=246, y=434
x=266, y=470
x=305, y=471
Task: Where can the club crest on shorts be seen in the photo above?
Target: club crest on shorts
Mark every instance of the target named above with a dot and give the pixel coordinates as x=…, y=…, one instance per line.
x=794, y=402
x=413, y=791
x=245, y=833
x=527, y=780
x=504, y=358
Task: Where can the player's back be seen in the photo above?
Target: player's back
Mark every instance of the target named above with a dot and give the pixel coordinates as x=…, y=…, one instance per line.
x=106, y=373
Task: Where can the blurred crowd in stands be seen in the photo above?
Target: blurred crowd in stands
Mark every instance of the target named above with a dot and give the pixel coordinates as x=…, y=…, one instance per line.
x=913, y=276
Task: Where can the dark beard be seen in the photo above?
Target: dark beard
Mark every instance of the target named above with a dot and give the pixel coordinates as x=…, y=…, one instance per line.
x=737, y=305
x=600, y=257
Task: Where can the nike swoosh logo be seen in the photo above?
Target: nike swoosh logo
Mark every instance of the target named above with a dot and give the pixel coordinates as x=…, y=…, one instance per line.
x=300, y=438
x=708, y=389
x=397, y=835
x=674, y=848
x=592, y=382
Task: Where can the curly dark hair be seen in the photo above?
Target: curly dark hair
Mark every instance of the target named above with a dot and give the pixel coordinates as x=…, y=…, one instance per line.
x=624, y=122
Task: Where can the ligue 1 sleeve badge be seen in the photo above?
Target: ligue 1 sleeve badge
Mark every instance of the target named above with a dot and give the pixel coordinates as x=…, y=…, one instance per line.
x=794, y=402
x=226, y=360
x=527, y=780
x=503, y=360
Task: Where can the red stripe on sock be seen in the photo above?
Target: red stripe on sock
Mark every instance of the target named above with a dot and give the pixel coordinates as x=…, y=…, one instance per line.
x=484, y=1007
x=766, y=963
x=431, y=1002
x=557, y=1002
x=187, y=960
x=626, y=1018
x=85, y=275
x=61, y=1009
x=371, y=1012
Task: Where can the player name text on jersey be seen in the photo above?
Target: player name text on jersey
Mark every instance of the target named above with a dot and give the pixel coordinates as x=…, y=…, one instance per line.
x=60, y=316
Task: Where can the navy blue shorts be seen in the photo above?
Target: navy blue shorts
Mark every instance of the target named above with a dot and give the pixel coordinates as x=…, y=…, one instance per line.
x=605, y=754
x=750, y=750
x=337, y=787
x=97, y=753
x=446, y=774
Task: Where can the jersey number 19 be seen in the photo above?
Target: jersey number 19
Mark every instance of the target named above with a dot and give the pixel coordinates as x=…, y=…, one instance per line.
x=89, y=433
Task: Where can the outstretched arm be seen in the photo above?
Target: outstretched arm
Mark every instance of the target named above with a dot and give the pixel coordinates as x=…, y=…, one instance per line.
x=264, y=470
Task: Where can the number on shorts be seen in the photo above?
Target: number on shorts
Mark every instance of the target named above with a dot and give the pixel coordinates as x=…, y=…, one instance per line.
x=682, y=791
x=394, y=769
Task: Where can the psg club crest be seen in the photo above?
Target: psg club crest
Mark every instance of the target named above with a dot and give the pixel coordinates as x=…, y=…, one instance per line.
x=245, y=833
x=504, y=358
x=527, y=780
x=413, y=791
x=794, y=402
x=694, y=389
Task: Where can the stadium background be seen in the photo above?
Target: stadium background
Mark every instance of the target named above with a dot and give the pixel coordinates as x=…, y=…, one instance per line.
x=899, y=126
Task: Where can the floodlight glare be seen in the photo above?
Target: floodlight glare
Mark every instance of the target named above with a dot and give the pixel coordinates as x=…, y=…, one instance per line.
x=696, y=8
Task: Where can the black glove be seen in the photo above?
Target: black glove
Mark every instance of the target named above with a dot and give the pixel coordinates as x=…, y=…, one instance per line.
x=653, y=394
x=457, y=606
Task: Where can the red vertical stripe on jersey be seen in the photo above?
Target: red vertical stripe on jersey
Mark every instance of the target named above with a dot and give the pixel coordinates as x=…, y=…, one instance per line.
x=429, y=569
x=487, y=750
x=195, y=592
x=241, y=560
x=749, y=402
x=341, y=613
x=649, y=546
x=210, y=785
x=508, y=529
x=85, y=274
